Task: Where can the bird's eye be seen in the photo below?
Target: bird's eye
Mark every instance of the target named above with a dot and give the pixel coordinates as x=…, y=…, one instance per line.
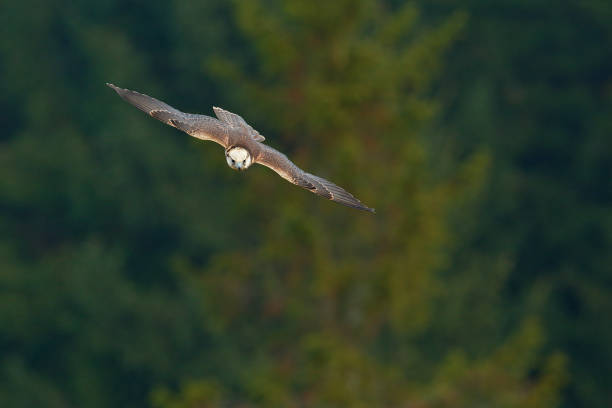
x=233, y=161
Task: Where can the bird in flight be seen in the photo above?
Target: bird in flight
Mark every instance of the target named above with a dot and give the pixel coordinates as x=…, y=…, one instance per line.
x=243, y=144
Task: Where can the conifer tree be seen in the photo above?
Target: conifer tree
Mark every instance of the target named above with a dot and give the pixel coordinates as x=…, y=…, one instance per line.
x=329, y=306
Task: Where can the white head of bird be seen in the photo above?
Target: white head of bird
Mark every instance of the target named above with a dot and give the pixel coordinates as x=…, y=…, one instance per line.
x=238, y=158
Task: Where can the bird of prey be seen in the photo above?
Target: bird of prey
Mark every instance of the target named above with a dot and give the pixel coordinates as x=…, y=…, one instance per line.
x=243, y=144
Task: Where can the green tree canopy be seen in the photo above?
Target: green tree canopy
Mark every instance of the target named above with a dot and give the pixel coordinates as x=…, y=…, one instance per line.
x=137, y=270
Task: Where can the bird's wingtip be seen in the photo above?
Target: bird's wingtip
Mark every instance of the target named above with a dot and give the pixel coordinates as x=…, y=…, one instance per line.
x=112, y=86
x=365, y=208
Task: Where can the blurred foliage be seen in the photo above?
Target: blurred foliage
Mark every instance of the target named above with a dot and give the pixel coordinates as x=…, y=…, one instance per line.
x=137, y=270
x=532, y=83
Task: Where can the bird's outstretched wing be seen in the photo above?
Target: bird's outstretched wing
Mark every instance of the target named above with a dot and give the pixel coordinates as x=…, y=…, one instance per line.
x=200, y=126
x=285, y=168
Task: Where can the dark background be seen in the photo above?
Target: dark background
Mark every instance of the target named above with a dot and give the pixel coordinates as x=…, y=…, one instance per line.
x=137, y=269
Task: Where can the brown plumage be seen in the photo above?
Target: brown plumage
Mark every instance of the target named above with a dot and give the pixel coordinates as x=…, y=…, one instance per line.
x=242, y=144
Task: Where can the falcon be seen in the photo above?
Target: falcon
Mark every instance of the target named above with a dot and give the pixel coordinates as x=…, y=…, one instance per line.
x=243, y=144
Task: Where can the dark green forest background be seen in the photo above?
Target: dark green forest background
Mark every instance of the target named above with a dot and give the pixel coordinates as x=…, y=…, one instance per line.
x=138, y=270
